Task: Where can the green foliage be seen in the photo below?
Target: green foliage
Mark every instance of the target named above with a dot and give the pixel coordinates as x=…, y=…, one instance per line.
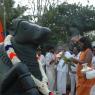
x=66, y=16
x=10, y=11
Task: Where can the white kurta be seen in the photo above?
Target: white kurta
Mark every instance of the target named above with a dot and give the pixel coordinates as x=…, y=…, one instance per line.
x=61, y=77
x=93, y=61
x=43, y=61
x=73, y=75
x=50, y=70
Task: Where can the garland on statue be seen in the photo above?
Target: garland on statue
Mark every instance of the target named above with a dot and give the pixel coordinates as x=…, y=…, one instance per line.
x=10, y=51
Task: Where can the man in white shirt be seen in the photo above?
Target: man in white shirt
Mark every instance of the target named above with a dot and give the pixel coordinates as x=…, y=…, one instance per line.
x=50, y=67
x=93, y=58
x=62, y=73
x=61, y=76
x=40, y=56
x=72, y=73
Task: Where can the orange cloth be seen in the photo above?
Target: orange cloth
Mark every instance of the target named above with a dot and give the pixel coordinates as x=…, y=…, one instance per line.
x=83, y=85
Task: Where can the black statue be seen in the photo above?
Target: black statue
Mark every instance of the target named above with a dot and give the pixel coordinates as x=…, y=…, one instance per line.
x=15, y=78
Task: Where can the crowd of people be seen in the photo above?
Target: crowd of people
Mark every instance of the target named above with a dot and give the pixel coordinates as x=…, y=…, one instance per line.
x=65, y=78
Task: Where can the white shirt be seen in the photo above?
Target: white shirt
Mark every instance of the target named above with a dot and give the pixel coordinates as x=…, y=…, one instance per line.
x=62, y=67
x=49, y=57
x=42, y=59
x=93, y=61
x=67, y=54
x=73, y=68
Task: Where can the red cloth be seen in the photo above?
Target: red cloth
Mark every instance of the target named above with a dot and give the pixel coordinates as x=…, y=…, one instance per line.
x=12, y=55
x=51, y=93
x=1, y=32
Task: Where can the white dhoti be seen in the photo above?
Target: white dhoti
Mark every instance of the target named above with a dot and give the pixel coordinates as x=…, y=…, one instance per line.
x=62, y=70
x=73, y=83
x=61, y=82
x=50, y=72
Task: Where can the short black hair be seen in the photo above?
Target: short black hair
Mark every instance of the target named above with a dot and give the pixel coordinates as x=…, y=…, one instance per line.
x=49, y=47
x=86, y=41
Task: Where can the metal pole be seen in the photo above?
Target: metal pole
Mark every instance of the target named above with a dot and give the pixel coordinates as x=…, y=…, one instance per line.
x=4, y=18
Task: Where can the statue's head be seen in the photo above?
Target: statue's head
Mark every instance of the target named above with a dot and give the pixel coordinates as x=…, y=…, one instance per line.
x=26, y=32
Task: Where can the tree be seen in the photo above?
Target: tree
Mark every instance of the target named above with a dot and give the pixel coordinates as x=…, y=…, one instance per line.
x=67, y=16
x=8, y=11
x=39, y=7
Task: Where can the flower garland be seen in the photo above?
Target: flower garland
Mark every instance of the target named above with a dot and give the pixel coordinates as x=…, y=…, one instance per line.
x=10, y=51
x=42, y=85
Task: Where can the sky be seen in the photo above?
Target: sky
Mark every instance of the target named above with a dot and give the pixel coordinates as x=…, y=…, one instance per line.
x=28, y=3
x=84, y=2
